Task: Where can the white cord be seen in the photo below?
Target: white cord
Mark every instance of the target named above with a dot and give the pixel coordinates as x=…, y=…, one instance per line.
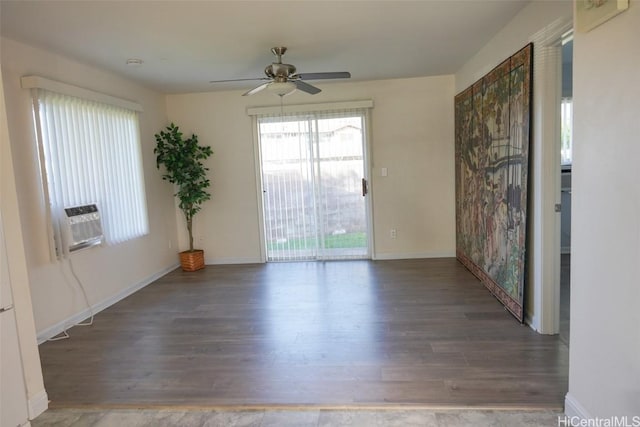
x=84, y=293
x=65, y=334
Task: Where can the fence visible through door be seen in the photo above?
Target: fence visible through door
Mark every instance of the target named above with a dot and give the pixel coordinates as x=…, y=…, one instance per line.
x=314, y=187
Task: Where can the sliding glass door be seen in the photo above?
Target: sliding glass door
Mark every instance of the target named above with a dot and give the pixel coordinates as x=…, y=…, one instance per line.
x=314, y=188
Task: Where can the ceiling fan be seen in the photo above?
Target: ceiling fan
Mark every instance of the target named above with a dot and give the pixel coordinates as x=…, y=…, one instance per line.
x=282, y=79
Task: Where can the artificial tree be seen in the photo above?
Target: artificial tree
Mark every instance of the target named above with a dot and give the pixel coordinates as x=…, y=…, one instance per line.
x=183, y=163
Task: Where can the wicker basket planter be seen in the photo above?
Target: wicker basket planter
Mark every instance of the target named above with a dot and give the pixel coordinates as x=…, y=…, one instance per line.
x=192, y=260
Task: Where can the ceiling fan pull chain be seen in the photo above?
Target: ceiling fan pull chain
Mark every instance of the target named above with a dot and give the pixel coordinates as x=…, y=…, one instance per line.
x=282, y=107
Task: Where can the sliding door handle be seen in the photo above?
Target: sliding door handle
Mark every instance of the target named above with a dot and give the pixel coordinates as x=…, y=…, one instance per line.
x=365, y=187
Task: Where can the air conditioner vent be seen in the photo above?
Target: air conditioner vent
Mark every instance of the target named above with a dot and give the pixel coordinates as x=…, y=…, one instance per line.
x=82, y=227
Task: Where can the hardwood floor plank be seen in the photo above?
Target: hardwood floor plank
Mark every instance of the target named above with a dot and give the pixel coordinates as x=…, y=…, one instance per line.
x=360, y=333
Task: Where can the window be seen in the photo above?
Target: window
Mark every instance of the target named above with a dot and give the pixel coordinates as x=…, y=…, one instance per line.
x=566, y=138
x=90, y=153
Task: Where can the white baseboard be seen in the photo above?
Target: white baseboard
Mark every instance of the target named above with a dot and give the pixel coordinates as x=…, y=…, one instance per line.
x=38, y=404
x=383, y=256
x=247, y=260
x=62, y=326
x=574, y=410
x=393, y=255
x=380, y=257
x=532, y=322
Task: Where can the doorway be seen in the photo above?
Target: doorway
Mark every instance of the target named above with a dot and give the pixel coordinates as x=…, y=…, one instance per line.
x=314, y=186
x=566, y=149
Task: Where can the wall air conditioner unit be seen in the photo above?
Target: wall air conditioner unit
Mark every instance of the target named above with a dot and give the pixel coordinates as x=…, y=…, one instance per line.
x=81, y=228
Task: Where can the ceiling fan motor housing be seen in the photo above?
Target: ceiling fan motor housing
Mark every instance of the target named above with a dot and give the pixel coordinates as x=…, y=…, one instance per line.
x=279, y=71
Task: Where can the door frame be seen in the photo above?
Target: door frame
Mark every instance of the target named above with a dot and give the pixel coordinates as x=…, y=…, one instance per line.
x=542, y=313
x=255, y=112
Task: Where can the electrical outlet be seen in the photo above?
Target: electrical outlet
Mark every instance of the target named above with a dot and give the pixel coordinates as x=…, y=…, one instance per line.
x=393, y=233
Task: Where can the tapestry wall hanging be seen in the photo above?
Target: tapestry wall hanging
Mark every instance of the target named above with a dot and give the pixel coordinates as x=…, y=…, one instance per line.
x=492, y=157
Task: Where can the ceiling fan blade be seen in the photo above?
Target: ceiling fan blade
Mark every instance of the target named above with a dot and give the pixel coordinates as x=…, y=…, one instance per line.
x=322, y=76
x=306, y=87
x=237, y=80
x=256, y=89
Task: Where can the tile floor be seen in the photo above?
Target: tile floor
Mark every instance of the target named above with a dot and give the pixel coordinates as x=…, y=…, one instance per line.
x=297, y=418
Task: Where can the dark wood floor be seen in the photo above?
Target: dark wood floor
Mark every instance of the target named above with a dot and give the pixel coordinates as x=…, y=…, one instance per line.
x=565, y=296
x=354, y=333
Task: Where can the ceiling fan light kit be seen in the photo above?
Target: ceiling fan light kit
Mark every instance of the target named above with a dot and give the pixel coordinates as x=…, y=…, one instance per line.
x=282, y=79
x=281, y=88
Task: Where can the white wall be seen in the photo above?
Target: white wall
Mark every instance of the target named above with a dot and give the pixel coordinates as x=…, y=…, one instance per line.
x=18, y=277
x=604, y=370
x=412, y=136
x=513, y=37
x=107, y=272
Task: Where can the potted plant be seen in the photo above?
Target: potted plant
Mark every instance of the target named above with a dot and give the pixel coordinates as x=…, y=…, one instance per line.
x=183, y=163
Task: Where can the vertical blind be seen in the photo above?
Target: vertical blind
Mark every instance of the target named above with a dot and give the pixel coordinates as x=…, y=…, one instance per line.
x=91, y=154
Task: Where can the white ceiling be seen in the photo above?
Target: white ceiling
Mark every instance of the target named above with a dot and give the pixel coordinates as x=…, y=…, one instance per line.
x=186, y=44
